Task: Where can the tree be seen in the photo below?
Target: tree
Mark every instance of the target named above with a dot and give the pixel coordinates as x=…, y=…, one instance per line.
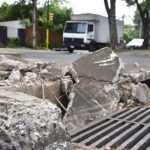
x=130, y=32
x=19, y=10
x=144, y=11
x=60, y=15
x=111, y=11
x=137, y=23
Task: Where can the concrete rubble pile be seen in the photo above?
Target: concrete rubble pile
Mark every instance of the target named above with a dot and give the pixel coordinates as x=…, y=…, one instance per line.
x=13, y=71
x=27, y=122
x=100, y=85
x=94, y=86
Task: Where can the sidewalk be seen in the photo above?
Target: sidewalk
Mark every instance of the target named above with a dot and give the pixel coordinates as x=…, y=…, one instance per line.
x=20, y=50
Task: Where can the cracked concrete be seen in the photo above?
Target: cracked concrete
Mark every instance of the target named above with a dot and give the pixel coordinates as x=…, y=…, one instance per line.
x=101, y=83
x=93, y=86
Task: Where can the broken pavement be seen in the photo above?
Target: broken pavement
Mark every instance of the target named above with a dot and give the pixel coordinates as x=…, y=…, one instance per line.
x=92, y=87
x=101, y=86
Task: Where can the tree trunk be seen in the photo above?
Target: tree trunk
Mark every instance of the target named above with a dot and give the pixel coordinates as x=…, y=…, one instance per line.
x=145, y=34
x=144, y=13
x=113, y=31
x=112, y=22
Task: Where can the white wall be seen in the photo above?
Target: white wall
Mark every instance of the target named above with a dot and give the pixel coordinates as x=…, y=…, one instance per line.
x=12, y=32
x=14, y=24
x=12, y=28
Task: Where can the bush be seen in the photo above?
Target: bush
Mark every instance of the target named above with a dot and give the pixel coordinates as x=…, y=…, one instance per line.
x=13, y=42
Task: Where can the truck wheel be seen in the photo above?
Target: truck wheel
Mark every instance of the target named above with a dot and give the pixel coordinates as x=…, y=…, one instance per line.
x=70, y=50
x=92, y=47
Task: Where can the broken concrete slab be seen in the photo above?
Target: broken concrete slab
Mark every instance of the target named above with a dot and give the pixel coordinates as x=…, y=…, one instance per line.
x=29, y=77
x=15, y=71
x=141, y=92
x=66, y=84
x=41, y=89
x=4, y=74
x=51, y=74
x=102, y=65
x=100, y=84
x=15, y=76
x=140, y=76
x=27, y=122
x=92, y=99
x=8, y=64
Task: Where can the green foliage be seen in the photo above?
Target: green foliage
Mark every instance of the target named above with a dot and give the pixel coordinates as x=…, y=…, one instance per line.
x=143, y=7
x=13, y=42
x=130, y=32
x=28, y=43
x=25, y=22
x=21, y=9
x=60, y=15
x=137, y=21
x=4, y=11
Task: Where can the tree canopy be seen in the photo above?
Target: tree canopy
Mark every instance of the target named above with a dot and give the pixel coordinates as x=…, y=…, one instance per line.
x=60, y=15
x=19, y=10
x=22, y=10
x=144, y=12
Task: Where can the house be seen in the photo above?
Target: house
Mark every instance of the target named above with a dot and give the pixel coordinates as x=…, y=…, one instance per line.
x=11, y=29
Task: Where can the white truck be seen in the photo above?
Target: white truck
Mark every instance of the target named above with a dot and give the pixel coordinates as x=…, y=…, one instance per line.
x=88, y=31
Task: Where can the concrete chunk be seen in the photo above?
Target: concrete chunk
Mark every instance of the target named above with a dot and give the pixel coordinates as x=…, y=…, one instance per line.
x=27, y=122
x=102, y=65
x=92, y=100
x=141, y=92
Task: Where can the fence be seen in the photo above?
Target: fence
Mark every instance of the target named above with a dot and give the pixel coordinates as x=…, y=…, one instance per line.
x=55, y=38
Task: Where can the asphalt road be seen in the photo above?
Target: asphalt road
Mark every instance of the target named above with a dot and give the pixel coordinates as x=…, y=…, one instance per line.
x=142, y=57
x=130, y=58
x=56, y=55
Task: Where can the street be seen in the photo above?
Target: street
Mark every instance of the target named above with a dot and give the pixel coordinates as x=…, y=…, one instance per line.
x=142, y=57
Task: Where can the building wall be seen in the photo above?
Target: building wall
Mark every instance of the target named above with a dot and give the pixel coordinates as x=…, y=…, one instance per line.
x=12, y=28
x=14, y=24
x=12, y=32
x=55, y=39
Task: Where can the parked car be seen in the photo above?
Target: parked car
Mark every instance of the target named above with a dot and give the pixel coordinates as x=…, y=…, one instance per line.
x=135, y=43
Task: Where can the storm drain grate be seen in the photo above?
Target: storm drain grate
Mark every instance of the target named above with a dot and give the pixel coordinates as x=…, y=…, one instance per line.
x=128, y=129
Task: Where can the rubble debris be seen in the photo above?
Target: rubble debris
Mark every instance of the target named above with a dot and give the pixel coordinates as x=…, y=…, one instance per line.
x=15, y=76
x=30, y=76
x=92, y=87
x=95, y=93
x=102, y=65
x=101, y=85
x=8, y=64
x=141, y=92
x=15, y=71
x=66, y=84
x=140, y=76
x=27, y=122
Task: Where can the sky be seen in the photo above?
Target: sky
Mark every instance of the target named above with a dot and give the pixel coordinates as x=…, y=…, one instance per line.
x=96, y=7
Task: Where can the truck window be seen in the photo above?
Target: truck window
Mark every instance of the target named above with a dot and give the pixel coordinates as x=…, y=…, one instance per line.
x=75, y=27
x=90, y=27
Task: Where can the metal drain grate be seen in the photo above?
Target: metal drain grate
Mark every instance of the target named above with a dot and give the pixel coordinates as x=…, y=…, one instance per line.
x=128, y=129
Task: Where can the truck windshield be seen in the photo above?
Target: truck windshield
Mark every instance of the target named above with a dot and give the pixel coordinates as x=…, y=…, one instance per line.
x=75, y=27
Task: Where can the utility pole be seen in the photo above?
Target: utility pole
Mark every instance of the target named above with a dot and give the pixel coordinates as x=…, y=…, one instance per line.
x=34, y=24
x=47, y=28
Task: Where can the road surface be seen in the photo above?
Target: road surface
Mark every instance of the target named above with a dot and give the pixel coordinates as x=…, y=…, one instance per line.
x=142, y=57
x=129, y=58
